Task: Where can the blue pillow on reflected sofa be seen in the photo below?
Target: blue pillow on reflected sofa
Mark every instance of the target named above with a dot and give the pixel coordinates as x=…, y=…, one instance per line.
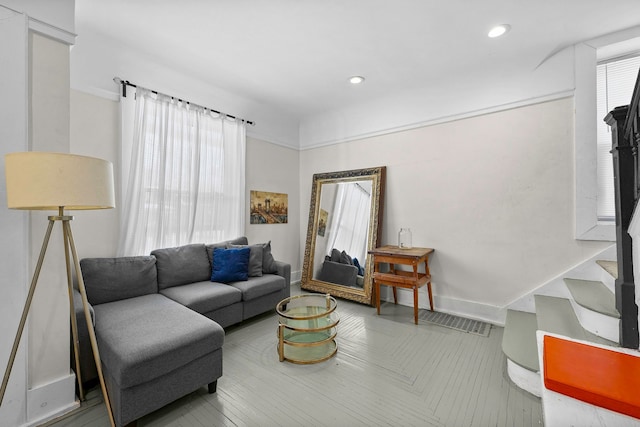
x=230, y=265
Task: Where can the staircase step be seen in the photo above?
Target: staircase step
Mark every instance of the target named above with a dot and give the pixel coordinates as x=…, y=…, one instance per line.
x=593, y=295
x=519, y=339
x=610, y=267
x=556, y=315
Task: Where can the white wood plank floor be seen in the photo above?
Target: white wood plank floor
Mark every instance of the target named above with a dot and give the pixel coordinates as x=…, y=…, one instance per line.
x=388, y=372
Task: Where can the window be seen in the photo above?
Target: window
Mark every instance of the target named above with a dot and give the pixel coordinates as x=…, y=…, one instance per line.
x=587, y=56
x=615, y=81
x=183, y=174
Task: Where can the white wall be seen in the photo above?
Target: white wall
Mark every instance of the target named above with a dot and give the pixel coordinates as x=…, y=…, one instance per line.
x=49, y=118
x=493, y=194
x=95, y=132
x=51, y=383
x=13, y=224
x=95, y=62
x=275, y=168
x=455, y=96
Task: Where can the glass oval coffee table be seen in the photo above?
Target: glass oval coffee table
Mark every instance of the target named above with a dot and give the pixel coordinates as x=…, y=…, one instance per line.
x=307, y=328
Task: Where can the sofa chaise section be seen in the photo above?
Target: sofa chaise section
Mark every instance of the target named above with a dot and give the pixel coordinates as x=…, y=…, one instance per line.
x=153, y=349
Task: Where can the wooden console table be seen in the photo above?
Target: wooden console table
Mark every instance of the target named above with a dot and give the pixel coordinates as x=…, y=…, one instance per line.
x=393, y=256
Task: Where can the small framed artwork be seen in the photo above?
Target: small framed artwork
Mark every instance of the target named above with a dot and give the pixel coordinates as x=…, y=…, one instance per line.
x=269, y=208
x=322, y=222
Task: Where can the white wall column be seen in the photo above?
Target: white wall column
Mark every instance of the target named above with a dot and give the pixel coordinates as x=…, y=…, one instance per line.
x=13, y=224
x=34, y=115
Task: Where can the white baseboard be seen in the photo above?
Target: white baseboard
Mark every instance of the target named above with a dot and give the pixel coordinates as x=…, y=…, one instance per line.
x=469, y=309
x=51, y=400
x=296, y=277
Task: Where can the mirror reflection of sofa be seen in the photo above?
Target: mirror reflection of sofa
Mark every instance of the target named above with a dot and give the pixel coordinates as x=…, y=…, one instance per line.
x=342, y=269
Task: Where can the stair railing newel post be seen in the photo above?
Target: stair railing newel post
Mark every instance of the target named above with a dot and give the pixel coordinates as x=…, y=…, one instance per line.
x=625, y=181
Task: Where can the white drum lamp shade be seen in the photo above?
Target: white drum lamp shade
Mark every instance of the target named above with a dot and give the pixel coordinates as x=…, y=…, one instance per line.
x=48, y=181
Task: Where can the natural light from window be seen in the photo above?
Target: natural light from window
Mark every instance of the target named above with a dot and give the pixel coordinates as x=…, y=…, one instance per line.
x=615, y=81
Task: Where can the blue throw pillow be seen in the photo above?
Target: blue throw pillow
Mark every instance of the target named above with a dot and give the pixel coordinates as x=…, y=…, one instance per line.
x=230, y=265
x=357, y=264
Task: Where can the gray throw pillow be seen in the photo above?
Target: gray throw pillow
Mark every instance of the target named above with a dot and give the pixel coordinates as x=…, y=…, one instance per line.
x=345, y=258
x=211, y=246
x=255, y=258
x=335, y=255
x=268, y=263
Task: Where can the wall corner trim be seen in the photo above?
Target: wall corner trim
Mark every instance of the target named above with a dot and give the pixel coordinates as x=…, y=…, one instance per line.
x=52, y=31
x=439, y=120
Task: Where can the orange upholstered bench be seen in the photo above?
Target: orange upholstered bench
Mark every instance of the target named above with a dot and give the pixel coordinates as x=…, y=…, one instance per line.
x=595, y=375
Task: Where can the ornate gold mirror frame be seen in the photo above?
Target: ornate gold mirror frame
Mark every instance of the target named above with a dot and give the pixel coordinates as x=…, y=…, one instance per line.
x=329, y=213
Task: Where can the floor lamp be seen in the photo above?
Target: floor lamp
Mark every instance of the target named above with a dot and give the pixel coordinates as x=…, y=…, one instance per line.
x=56, y=181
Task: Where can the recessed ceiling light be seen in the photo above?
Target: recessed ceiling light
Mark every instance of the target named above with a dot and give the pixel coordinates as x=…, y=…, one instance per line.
x=356, y=80
x=499, y=30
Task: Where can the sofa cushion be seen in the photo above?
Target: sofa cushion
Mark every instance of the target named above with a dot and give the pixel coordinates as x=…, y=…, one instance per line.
x=113, y=279
x=182, y=265
x=204, y=297
x=257, y=287
x=255, y=258
x=230, y=265
x=237, y=241
x=345, y=258
x=268, y=262
x=146, y=337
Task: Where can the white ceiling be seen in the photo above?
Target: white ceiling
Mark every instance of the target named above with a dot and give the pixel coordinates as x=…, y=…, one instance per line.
x=297, y=54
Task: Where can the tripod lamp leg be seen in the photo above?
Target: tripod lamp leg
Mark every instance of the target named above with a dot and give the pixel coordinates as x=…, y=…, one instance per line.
x=92, y=334
x=72, y=314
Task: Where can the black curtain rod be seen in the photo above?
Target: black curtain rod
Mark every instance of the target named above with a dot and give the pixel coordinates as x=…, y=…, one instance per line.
x=126, y=83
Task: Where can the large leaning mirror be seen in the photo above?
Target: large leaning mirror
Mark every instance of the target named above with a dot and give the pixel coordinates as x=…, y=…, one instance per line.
x=345, y=218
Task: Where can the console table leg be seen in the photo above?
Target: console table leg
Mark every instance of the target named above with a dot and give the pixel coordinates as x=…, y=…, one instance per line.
x=415, y=304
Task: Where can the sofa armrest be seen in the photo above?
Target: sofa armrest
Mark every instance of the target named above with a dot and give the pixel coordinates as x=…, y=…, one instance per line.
x=284, y=270
x=79, y=311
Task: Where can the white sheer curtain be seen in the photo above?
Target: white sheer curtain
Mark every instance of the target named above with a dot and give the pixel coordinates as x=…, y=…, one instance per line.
x=350, y=223
x=183, y=175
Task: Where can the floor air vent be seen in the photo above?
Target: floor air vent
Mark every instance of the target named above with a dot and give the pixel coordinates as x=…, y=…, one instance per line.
x=455, y=322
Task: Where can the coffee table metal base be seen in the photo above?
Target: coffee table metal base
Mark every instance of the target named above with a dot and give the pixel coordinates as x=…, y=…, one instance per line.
x=307, y=328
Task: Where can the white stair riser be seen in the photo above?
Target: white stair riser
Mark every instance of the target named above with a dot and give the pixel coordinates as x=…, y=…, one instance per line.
x=597, y=323
x=608, y=280
x=524, y=378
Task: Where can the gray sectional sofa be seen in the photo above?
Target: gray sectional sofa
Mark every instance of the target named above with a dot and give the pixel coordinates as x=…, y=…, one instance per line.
x=159, y=321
